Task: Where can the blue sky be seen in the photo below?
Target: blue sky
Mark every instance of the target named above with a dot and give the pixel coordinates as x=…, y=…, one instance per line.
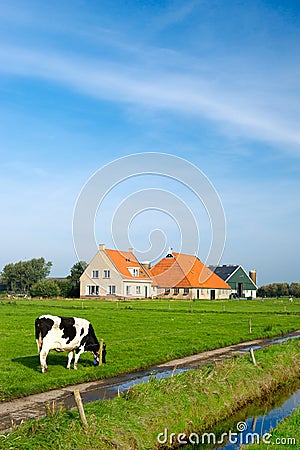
x=216, y=83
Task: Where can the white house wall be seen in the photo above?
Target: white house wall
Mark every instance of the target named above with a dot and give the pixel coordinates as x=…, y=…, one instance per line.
x=137, y=288
x=246, y=293
x=192, y=294
x=101, y=262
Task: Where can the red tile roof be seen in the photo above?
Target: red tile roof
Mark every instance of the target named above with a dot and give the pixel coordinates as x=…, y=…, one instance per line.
x=185, y=271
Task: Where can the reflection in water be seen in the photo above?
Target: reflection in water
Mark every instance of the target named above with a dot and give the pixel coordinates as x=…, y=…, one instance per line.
x=123, y=386
x=255, y=420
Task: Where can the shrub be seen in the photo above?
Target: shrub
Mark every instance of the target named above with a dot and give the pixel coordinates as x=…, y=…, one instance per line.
x=66, y=288
x=45, y=289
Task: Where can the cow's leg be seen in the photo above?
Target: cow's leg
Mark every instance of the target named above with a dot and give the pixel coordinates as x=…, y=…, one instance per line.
x=39, y=344
x=78, y=352
x=43, y=357
x=70, y=357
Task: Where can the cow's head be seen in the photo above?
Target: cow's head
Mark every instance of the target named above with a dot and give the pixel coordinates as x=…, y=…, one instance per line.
x=97, y=356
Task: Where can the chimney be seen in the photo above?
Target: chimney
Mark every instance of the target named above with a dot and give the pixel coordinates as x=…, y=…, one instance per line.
x=146, y=265
x=252, y=275
x=102, y=247
x=131, y=250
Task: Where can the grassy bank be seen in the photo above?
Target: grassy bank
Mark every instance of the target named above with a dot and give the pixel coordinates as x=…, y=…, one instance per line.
x=137, y=333
x=192, y=402
x=286, y=435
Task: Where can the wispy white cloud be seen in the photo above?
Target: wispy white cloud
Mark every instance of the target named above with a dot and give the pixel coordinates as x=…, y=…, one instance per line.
x=21, y=168
x=255, y=112
x=174, y=15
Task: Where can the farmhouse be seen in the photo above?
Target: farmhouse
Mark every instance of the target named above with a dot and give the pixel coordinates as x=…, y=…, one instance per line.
x=114, y=273
x=185, y=277
x=242, y=284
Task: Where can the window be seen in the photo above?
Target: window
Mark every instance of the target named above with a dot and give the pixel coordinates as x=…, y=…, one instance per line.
x=134, y=271
x=106, y=274
x=167, y=291
x=111, y=290
x=92, y=290
x=185, y=291
x=128, y=290
x=176, y=291
x=95, y=274
x=138, y=289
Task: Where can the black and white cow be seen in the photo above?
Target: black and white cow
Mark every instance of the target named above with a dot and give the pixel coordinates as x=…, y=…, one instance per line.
x=66, y=334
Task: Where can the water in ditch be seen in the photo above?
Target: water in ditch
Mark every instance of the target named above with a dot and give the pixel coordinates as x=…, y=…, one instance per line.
x=125, y=382
x=252, y=424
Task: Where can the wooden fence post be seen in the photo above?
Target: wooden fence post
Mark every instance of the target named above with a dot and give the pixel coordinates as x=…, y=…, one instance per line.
x=252, y=356
x=79, y=404
x=250, y=326
x=101, y=349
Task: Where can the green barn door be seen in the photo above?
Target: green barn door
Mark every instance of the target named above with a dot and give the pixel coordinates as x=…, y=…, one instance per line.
x=240, y=289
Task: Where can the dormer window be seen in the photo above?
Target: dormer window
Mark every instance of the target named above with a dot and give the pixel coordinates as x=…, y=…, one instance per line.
x=169, y=254
x=134, y=271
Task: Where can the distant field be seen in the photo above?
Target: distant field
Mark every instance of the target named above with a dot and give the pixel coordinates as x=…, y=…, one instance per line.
x=137, y=333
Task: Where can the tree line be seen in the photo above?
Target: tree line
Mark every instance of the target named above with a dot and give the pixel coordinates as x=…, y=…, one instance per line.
x=279, y=290
x=30, y=278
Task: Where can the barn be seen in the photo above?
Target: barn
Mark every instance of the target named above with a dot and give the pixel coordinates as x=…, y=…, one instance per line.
x=243, y=285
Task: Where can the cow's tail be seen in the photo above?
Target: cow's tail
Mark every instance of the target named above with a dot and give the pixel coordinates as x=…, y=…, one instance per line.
x=38, y=334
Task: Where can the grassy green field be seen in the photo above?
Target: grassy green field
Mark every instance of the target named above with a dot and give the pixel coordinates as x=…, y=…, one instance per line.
x=137, y=334
x=192, y=403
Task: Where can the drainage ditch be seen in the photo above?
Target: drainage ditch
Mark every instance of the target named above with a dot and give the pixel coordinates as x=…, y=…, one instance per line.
x=36, y=406
x=252, y=423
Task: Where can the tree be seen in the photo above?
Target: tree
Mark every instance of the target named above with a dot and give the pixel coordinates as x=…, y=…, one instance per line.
x=295, y=289
x=275, y=290
x=23, y=274
x=282, y=289
x=45, y=289
x=76, y=271
x=9, y=276
x=66, y=288
x=38, y=269
x=75, y=274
